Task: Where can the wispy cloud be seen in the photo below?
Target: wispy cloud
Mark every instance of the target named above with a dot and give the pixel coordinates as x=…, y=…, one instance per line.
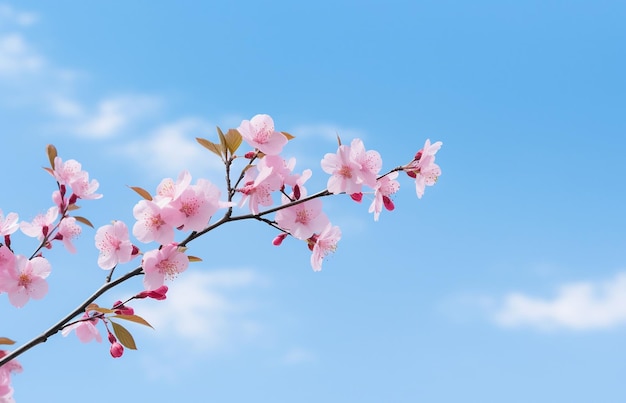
x=299, y=355
x=207, y=309
x=172, y=147
x=576, y=306
x=17, y=58
x=109, y=118
x=9, y=16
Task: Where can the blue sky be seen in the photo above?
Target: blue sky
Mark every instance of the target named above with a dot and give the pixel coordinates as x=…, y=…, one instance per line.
x=505, y=283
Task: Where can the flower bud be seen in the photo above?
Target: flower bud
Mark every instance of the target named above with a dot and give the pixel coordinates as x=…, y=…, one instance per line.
x=279, y=239
x=357, y=197
x=117, y=350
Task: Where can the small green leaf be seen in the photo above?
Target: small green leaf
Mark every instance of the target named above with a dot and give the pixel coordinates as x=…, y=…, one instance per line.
x=142, y=192
x=211, y=146
x=6, y=341
x=289, y=136
x=233, y=140
x=124, y=336
x=52, y=154
x=134, y=318
x=83, y=220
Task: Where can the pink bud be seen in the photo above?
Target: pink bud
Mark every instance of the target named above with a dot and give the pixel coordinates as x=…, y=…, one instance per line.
x=112, y=338
x=158, y=294
x=121, y=309
x=357, y=197
x=388, y=203
x=412, y=174
x=418, y=156
x=7, y=241
x=135, y=251
x=296, y=192
x=73, y=199
x=279, y=239
x=116, y=350
x=249, y=155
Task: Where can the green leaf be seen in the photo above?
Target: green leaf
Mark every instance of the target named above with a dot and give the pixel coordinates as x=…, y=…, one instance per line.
x=6, y=341
x=83, y=220
x=142, y=192
x=211, y=146
x=233, y=140
x=289, y=136
x=134, y=318
x=124, y=336
x=52, y=154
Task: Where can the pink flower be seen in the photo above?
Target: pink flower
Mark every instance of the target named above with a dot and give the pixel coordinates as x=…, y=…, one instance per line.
x=423, y=167
x=114, y=245
x=68, y=229
x=152, y=222
x=170, y=190
x=6, y=391
x=41, y=225
x=7, y=263
x=258, y=190
x=8, y=224
x=385, y=187
x=86, y=330
x=325, y=243
x=194, y=207
x=159, y=294
x=70, y=173
x=351, y=167
x=161, y=264
x=25, y=280
x=302, y=220
x=259, y=133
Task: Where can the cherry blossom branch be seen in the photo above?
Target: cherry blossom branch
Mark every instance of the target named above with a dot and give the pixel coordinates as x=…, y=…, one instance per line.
x=77, y=311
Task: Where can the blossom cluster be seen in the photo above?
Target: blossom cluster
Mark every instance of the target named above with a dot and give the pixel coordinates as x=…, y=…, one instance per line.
x=182, y=210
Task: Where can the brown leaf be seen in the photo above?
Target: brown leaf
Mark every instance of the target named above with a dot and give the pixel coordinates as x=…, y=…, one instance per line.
x=211, y=146
x=124, y=336
x=142, y=192
x=52, y=154
x=134, y=318
x=233, y=140
x=6, y=341
x=289, y=136
x=83, y=220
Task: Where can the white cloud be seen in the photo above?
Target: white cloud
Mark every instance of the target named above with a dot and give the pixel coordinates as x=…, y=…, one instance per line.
x=9, y=16
x=17, y=58
x=206, y=309
x=576, y=306
x=172, y=148
x=299, y=356
x=112, y=115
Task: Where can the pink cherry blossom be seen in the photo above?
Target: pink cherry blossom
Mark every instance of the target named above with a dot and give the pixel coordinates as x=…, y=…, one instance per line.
x=170, y=190
x=25, y=280
x=259, y=133
x=68, y=230
x=258, y=190
x=385, y=187
x=152, y=222
x=351, y=167
x=11, y=367
x=302, y=220
x=41, y=225
x=423, y=167
x=86, y=330
x=8, y=224
x=325, y=243
x=162, y=264
x=70, y=173
x=7, y=264
x=114, y=245
x=194, y=206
